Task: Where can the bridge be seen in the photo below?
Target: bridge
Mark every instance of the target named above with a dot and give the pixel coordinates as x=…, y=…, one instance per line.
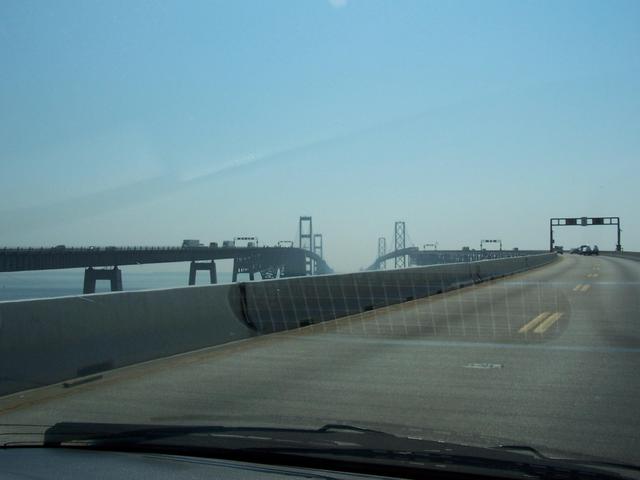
x=418, y=257
x=403, y=255
x=101, y=263
x=539, y=340
x=494, y=348
x=270, y=262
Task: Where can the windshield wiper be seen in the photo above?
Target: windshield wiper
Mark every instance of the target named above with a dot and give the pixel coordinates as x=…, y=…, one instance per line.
x=66, y=432
x=340, y=447
x=596, y=463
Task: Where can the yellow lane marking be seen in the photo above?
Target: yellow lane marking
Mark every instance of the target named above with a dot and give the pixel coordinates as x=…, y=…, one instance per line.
x=533, y=323
x=547, y=323
x=578, y=287
x=585, y=288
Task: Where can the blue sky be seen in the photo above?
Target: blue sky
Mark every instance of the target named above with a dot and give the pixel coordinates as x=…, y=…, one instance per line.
x=135, y=122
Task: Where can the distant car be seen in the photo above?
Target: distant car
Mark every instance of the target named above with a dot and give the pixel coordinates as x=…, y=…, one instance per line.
x=585, y=250
x=575, y=250
x=595, y=251
x=558, y=249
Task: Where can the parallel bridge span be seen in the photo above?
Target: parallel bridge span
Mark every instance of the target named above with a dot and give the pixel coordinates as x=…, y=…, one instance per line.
x=419, y=257
x=270, y=262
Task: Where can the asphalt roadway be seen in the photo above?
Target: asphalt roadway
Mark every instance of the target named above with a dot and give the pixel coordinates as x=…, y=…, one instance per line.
x=548, y=358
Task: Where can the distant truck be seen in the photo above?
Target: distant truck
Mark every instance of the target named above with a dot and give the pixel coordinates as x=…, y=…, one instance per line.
x=190, y=243
x=228, y=244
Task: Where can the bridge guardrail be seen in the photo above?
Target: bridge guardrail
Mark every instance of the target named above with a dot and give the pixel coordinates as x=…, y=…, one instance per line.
x=628, y=255
x=46, y=341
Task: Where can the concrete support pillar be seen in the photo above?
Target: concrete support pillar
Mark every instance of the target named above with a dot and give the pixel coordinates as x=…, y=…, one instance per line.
x=192, y=273
x=234, y=276
x=116, y=279
x=210, y=266
x=213, y=274
x=91, y=275
x=89, y=281
x=236, y=271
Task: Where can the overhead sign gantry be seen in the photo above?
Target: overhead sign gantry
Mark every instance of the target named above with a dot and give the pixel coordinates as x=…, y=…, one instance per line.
x=583, y=222
x=482, y=242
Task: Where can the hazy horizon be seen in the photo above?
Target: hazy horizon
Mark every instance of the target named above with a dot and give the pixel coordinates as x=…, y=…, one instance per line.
x=127, y=123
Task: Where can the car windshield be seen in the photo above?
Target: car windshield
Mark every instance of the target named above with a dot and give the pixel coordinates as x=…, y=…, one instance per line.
x=417, y=217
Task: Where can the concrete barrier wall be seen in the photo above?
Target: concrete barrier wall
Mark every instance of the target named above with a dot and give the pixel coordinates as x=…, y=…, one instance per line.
x=627, y=255
x=541, y=259
x=489, y=269
x=51, y=340
x=290, y=303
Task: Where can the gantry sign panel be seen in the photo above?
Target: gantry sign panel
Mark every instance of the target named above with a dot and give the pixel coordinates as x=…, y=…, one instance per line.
x=583, y=222
x=482, y=242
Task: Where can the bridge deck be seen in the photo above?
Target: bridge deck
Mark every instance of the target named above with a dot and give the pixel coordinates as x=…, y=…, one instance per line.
x=21, y=259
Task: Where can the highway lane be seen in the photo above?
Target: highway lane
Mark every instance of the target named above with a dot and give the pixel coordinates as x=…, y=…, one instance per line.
x=547, y=358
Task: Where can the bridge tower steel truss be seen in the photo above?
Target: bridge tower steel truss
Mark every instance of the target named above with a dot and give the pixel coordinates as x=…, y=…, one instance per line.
x=305, y=240
x=317, y=248
x=382, y=250
x=400, y=235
